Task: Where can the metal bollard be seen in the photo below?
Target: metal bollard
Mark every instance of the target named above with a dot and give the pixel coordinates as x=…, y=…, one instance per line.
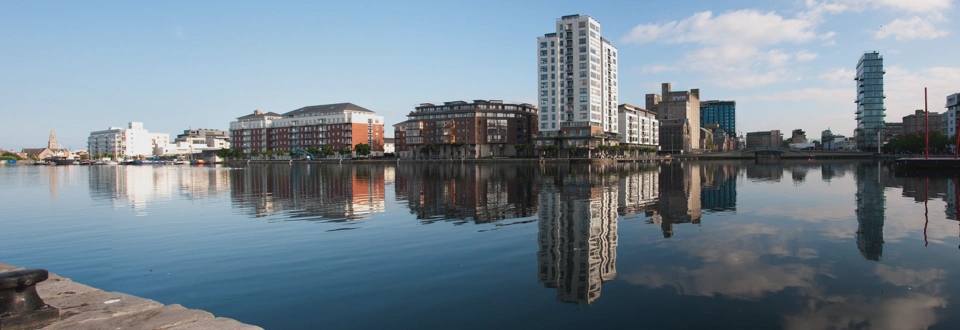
x=20, y=305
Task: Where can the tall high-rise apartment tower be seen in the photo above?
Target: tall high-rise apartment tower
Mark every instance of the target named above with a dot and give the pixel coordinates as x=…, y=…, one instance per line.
x=577, y=78
x=870, y=110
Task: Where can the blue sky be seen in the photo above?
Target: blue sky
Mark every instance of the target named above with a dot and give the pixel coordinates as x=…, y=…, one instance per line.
x=79, y=66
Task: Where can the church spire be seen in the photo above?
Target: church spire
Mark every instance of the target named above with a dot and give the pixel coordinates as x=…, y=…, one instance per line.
x=52, y=142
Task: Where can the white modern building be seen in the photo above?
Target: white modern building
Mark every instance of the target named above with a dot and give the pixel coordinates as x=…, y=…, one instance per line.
x=389, y=145
x=577, y=77
x=126, y=142
x=638, y=127
x=948, y=121
x=211, y=138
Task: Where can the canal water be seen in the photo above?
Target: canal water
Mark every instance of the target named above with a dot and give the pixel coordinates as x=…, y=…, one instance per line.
x=708, y=245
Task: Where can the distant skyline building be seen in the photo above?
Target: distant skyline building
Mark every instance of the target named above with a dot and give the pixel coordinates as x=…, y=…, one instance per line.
x=577, y=79
x=767, y=139
x=891, y=130
x=723, y=113
x=918, y=122
x=679, y=116
x=798, y=136
x=870, y=109
x=126, y=142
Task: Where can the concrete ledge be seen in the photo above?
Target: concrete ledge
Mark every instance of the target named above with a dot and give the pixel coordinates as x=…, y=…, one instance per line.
x=99, y=305
x=157, y=318
x=86, y=307
x=220, y=323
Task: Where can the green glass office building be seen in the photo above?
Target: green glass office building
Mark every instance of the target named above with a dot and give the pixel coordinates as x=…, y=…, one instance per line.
x=723, y=113
x=870, y=110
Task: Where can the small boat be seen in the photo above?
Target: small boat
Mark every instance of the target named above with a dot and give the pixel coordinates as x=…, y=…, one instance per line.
x=63, y=160
x=181, y=162
x=197, y=162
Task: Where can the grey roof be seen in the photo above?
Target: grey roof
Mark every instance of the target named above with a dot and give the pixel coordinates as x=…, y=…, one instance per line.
x=337, y=107
x=272, y=114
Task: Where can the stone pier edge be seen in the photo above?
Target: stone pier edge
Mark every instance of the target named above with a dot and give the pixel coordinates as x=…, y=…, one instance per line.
x=86, y=307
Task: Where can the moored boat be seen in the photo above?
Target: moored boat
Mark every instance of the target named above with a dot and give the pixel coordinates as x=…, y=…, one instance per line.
x=63, y=160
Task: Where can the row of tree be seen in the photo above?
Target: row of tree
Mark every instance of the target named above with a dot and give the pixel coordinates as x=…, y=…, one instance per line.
x=915, y=143
x=528, y=149
x=362, y=149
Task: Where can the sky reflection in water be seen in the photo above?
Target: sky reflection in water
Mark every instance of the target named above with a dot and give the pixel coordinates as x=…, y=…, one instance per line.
x=831, y=244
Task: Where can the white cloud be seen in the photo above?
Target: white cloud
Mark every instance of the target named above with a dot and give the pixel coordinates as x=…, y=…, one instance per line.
x=907, y=29
x=824, y=95
x=913, y=311
x=914, y=6
x=737, y=47
x=658, y=68
x=904, y=89
x=839, y=76
x=178, y=32
x=746, y=26
x=806, y=56
x=902, y=276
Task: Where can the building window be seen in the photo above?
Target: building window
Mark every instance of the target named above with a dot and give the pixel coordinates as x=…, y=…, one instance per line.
x=543, y=60
x=582, y=24
x=583, y=41
x=543, y=45
x=543, y=77
x=543, y=101
x=543, y=85
x=583, y=99
x=543, y=93
x=543, y=53
x=543, y=69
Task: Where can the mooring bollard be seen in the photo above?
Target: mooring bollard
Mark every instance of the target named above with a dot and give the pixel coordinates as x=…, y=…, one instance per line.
x=20, y=305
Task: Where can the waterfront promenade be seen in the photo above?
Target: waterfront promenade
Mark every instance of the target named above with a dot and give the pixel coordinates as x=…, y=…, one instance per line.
x=85, y=307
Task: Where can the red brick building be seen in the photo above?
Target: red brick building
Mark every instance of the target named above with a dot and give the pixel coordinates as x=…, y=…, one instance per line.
x=470, y=130
x=337, y=125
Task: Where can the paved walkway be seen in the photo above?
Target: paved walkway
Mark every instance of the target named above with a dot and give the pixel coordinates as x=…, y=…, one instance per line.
x=85, y=307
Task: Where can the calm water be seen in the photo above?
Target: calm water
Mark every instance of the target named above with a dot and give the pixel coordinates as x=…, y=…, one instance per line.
x=808, y=245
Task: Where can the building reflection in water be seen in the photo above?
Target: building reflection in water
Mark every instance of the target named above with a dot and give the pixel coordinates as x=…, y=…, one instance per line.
x=310, y=191
x=870, y=210
x=480, y=193
x=577, y=232
x=680, y=187
x=139, y=186
x=719, y=191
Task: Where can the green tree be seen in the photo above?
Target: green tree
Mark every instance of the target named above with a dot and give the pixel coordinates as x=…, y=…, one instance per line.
x=224, y=153
x=520, y=147
x=344, y=150
x=11, y=156
x=327, y=150
x=255, y=153
x=551, y=149
x=313, y=151
x=573, y=151
x=362, y=149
